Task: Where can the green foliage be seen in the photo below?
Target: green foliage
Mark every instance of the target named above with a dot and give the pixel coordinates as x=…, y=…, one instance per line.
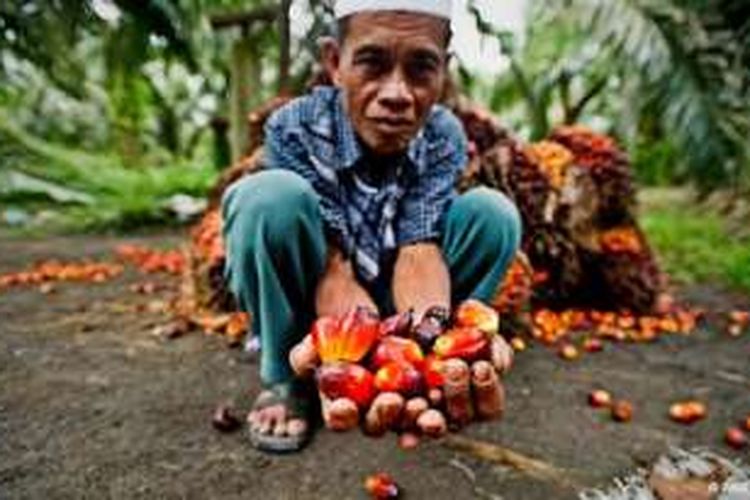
x=694, y=244
x=687, y=65
x=123, y=198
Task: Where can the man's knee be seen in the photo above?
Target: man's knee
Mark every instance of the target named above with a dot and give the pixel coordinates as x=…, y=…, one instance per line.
x=495, y=217
x=272, y=203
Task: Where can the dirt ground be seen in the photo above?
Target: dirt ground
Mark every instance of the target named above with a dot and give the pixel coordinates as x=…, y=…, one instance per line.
x=93, y=405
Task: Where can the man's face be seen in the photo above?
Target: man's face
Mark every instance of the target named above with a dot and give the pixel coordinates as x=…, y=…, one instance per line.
x=392, y=69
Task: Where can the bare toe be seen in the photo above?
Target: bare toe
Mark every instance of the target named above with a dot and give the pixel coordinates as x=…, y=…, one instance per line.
x=296, y=427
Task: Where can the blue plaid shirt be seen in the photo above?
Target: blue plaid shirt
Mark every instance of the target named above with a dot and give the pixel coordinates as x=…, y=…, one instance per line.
x=369, y=209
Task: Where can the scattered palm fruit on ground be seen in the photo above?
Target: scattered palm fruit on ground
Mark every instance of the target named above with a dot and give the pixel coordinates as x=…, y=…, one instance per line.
x=390, y=381
x=151, y=261
x=687, y=412
x=747, y=423
x=622, y=411
x=736, y=438
x=518, y=344
x=569, y=352
x=381, y=486
x=54, y=271
x=408, y=441
x=224, y=419
x=739, y=322
x=600, y=399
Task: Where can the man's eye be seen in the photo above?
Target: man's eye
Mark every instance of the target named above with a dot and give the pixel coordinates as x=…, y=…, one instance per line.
x=422, y=69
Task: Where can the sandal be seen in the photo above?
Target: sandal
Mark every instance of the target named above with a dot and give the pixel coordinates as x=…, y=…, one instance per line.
x=297, y=399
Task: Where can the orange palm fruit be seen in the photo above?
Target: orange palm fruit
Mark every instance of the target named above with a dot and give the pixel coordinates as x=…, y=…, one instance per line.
x=399, y=377
x=467, y=343
x=392, y=349
x=600, y=399
x=622, y=411
x=346, y=339
x=346, y=380
x=381, y=486
x=472, y=313
x=687, y=412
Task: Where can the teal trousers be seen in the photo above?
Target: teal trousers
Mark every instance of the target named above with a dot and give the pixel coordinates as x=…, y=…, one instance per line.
x=276, y=252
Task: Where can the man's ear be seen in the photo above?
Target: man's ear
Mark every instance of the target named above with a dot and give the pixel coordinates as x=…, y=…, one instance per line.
x=330, y=55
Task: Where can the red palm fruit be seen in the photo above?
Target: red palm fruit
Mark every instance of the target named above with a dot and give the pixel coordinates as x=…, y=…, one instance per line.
x=740, y=317
x=348, y=339
x=346, y=380
x=398, y=324
x=747, y=423
x=472, y=313
x=392, y=349
x=464, y=343
x=381, y=486
x=399, y=377
x=432, y=369
x=622, y=411
x=600, y=399
x=593, y=344
x=736, y=438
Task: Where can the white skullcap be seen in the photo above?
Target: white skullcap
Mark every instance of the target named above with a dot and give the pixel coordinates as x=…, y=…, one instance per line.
x=438, y=8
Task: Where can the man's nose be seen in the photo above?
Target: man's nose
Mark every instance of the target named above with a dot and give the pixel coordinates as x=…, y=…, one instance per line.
x=395, y=93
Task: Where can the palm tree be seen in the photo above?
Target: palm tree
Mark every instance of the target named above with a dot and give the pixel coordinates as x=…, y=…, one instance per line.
x=681, y=67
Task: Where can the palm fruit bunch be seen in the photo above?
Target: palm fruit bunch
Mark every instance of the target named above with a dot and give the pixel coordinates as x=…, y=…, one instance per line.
x=396, y=375
x=608, y=167
x=207, y=263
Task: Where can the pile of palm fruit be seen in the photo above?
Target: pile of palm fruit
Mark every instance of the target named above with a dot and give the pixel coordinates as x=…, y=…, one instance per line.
x=582, y=249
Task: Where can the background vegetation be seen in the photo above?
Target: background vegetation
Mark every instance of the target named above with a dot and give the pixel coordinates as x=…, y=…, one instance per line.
x=108, y=108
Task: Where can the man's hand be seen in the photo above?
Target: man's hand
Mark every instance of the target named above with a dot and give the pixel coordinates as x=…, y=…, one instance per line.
x=338, y=291
x=421, y=279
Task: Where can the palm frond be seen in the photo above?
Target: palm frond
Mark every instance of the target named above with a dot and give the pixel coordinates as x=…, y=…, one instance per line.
x=685, y=77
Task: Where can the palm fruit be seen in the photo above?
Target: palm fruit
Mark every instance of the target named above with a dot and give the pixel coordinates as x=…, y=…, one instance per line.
x=432, y=369
x=516, y=289
x=687, y=412
x=433, y=324
x=474, y=314
x=346, y=380
x=381, y=486
x=465, y=343
x=399, y=377
x=392, y=349
x=345, y=339
x=608, y=167
x=553, y=160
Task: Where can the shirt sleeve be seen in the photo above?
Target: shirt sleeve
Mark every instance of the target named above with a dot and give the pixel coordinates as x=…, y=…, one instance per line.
x=284, y=149
x=425, y=202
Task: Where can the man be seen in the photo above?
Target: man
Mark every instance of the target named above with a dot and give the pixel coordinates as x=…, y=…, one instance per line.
x=356, y=206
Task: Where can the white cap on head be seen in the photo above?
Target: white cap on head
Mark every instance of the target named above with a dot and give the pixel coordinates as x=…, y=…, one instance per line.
x=438, y=8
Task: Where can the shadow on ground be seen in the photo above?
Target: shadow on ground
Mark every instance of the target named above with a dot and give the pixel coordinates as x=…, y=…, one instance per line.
x=92, y=405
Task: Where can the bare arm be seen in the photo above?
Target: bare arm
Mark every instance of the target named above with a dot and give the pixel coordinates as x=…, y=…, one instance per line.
x=421, y=279
x=338, y=290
